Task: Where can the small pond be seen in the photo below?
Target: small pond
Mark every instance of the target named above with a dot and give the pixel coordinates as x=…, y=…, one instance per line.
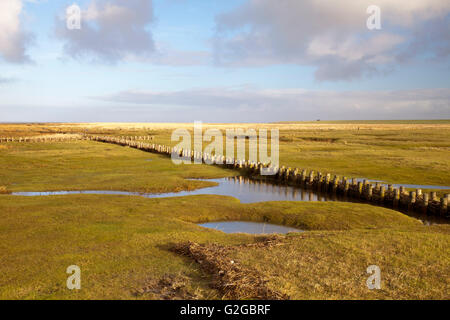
x=249, y=227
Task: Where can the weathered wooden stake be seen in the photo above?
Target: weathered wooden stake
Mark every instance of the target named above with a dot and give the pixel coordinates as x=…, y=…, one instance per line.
x=382, y=193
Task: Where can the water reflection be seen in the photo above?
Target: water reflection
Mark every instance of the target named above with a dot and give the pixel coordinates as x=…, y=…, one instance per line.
x=245, y=189
x=251, y=191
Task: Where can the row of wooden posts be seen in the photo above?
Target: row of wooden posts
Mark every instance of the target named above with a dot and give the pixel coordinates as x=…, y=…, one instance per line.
x=39, y=139
x=399, y=198
x=63, y=138
x=136, y=138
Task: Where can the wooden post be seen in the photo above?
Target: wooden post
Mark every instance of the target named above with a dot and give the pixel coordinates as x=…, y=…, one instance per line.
x=390, y=190
x=433, y=196
x=303, y=177
x=294, y=177
x=286, y=174
x=344, y=181
x=335, y=183
x=396, y=197
x=418, y=195
x=412, y=200
x=311, y=177
x=425, y=203
x=327, y=182
x=377, y=186
x=319, y=180
x=444, y=205
x=346, y=187
x=382, y=193
x=281, y=172
x=369, y=192
x=360, y=189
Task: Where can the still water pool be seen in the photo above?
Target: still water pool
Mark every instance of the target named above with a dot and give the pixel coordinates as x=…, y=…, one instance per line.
x=248, y=227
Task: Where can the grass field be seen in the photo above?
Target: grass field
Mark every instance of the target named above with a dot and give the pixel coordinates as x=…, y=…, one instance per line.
x=410, y=152
x=124, y=244
x=83, y=165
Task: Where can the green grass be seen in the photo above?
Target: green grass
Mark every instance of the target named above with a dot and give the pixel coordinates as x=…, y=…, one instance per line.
x=123, y=242
x=410, y=157
x=414, y=264
x=84, y=165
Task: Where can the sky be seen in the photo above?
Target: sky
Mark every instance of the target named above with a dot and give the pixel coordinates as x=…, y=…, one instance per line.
x=224, y=61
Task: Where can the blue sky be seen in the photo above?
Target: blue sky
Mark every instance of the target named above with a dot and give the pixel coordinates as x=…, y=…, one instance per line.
x=222, y=61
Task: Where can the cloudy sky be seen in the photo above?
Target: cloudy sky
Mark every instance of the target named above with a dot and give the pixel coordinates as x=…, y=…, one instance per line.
x=224, y=61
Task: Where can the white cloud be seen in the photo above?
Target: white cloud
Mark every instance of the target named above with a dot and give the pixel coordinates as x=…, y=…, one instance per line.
x=120, y=30
x=13, y=39
x=111, y=30
x=332, y=35
x=250, y=104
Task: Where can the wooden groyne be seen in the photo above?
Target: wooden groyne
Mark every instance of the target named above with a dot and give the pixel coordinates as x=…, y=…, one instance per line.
x=62, y=137
x=49, y=138
x=390, y=196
